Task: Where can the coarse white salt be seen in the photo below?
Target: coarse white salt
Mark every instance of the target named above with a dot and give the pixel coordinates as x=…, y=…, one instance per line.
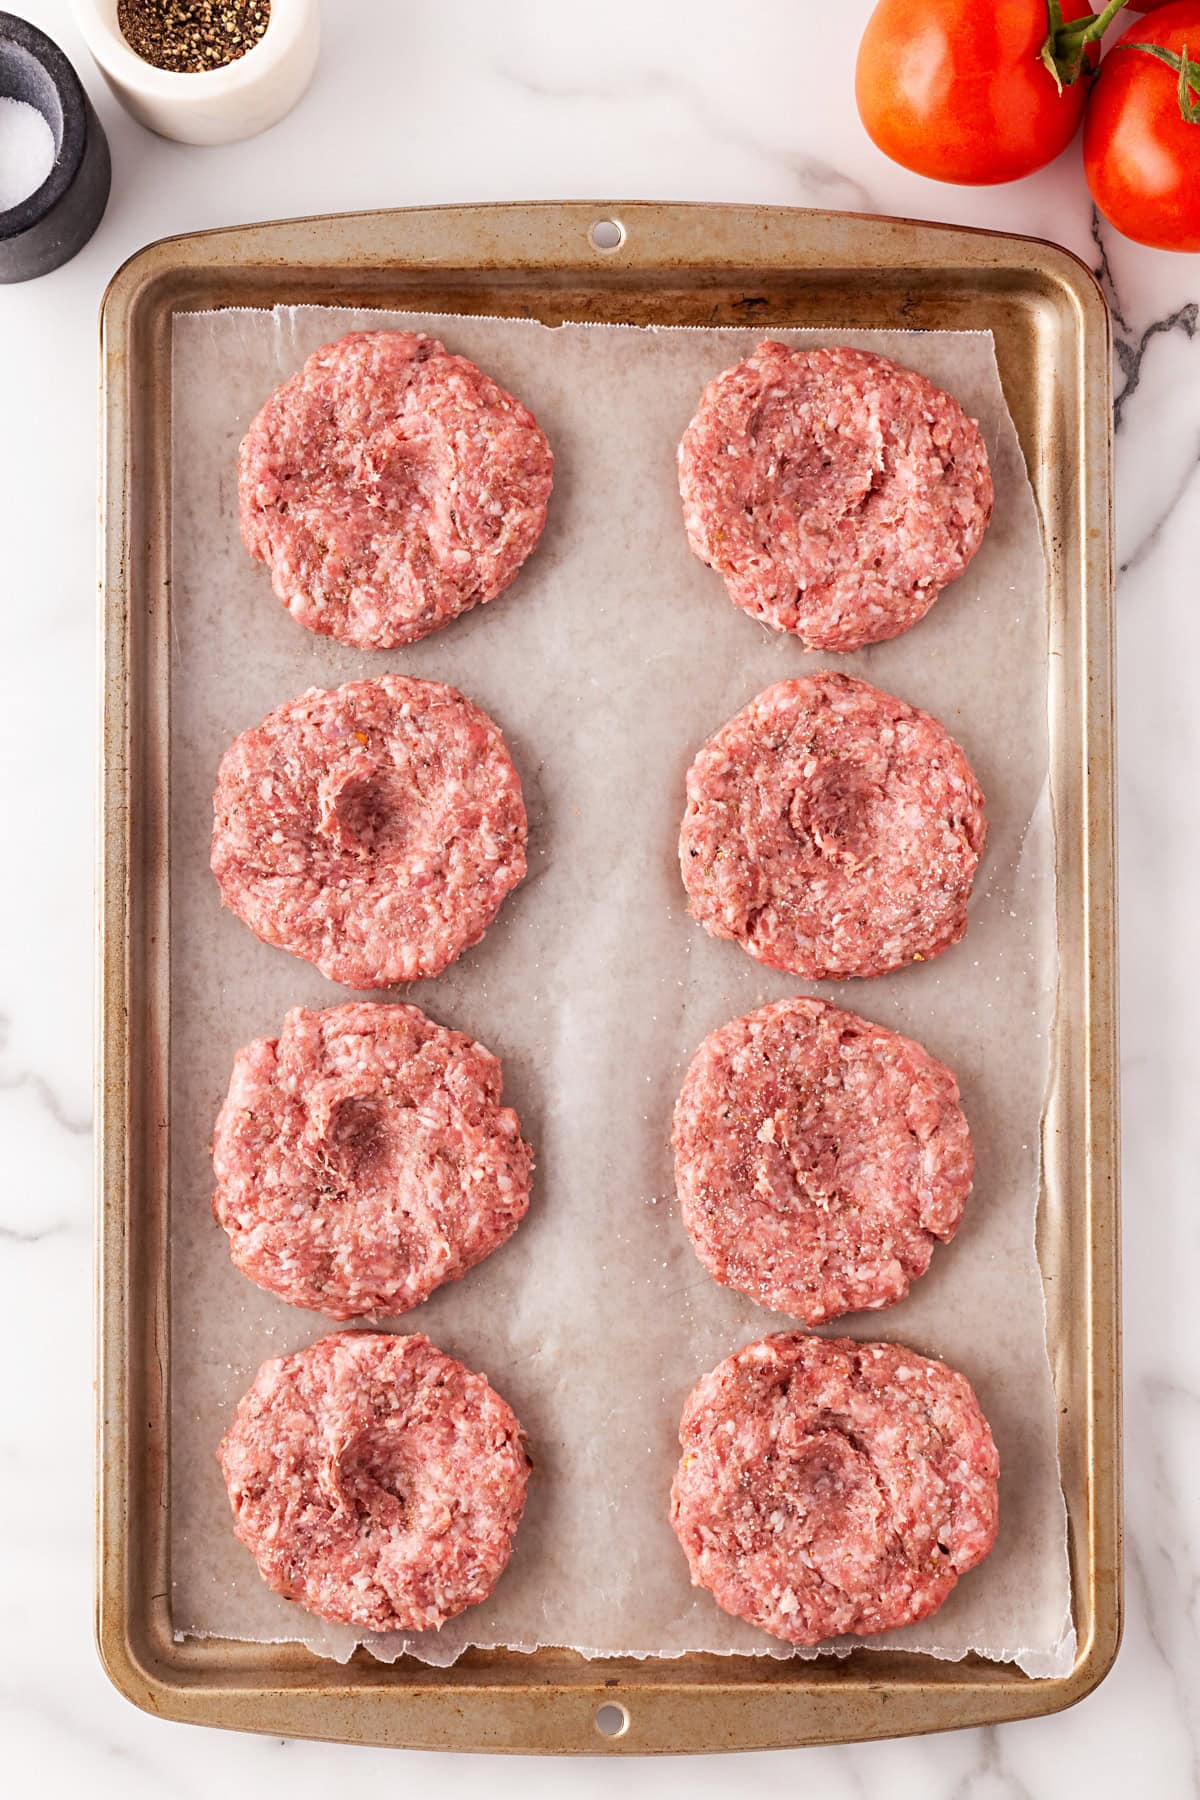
x=26, y=151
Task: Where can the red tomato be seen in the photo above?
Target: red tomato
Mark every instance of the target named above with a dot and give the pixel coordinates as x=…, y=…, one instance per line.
x=1141, y=154
x=956, y=89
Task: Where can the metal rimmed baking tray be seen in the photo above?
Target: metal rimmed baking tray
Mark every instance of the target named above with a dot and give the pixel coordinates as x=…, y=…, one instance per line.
x=670, y=265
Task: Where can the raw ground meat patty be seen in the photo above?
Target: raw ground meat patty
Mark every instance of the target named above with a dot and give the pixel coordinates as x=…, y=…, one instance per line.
x=836, y=492
x=828, y=1486
x=817, y=1158
x=832, y=830
x=363, y=1157
x=376, y=1481
x=373, y=829
x=389, y=486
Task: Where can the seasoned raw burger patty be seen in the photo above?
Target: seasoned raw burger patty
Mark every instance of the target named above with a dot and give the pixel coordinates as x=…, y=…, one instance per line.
x=373, y=829
x=376, y=1481
x=832, y=830
x=388, y=486
x=828, y=1486
x=363, y=1157
x=817, y=1158
x=836, y=492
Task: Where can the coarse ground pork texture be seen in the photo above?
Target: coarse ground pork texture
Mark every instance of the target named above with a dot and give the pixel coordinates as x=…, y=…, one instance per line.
x=828, y=1486
x=363, y=1158
x=376, y=1481
x=832, y=830
x=818, y=1158
x=836, y=492
x=389, y=486
x=373, y=829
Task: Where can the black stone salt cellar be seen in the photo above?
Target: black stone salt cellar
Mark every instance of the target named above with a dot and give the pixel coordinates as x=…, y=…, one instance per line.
x=47, y=228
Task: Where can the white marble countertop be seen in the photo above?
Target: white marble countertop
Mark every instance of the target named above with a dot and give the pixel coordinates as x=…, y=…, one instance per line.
x=441, y=100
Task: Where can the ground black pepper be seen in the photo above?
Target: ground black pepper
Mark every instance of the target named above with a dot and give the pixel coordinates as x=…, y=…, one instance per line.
x=189, y=36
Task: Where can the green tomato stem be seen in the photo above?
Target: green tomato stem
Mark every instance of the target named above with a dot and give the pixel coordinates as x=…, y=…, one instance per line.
x=1088, y=28
x=1064, y=51
x=1189, y=78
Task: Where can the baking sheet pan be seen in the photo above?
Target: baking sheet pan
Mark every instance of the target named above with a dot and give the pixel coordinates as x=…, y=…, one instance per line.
x=809, y=281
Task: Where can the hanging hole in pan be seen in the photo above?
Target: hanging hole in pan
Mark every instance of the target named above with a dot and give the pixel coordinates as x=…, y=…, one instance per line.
x=612, y=1721
x=607, y=235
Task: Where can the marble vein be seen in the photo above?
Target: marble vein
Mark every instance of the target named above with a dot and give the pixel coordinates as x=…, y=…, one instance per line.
x=47, y=1099
x=1162, y=1558
x=1130, y=345
x=43, y=1091
x=991, y=1777
x=820, y=181
x=16, y=1234
x=1151, y=539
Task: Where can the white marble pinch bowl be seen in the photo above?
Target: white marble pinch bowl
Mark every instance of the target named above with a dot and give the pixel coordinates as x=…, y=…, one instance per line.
x=214, y=106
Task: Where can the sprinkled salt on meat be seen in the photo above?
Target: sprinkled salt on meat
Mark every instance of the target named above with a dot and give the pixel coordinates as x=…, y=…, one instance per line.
x=818, y=1157
x=363, y=1158
x=836, y=492
x=828, y=1486
x=389, y=486
x=373, y=829
x=832, y=830
x=376, y=1481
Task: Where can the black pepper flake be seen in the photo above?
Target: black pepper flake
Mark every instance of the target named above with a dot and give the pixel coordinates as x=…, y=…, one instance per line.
x=188, y=37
